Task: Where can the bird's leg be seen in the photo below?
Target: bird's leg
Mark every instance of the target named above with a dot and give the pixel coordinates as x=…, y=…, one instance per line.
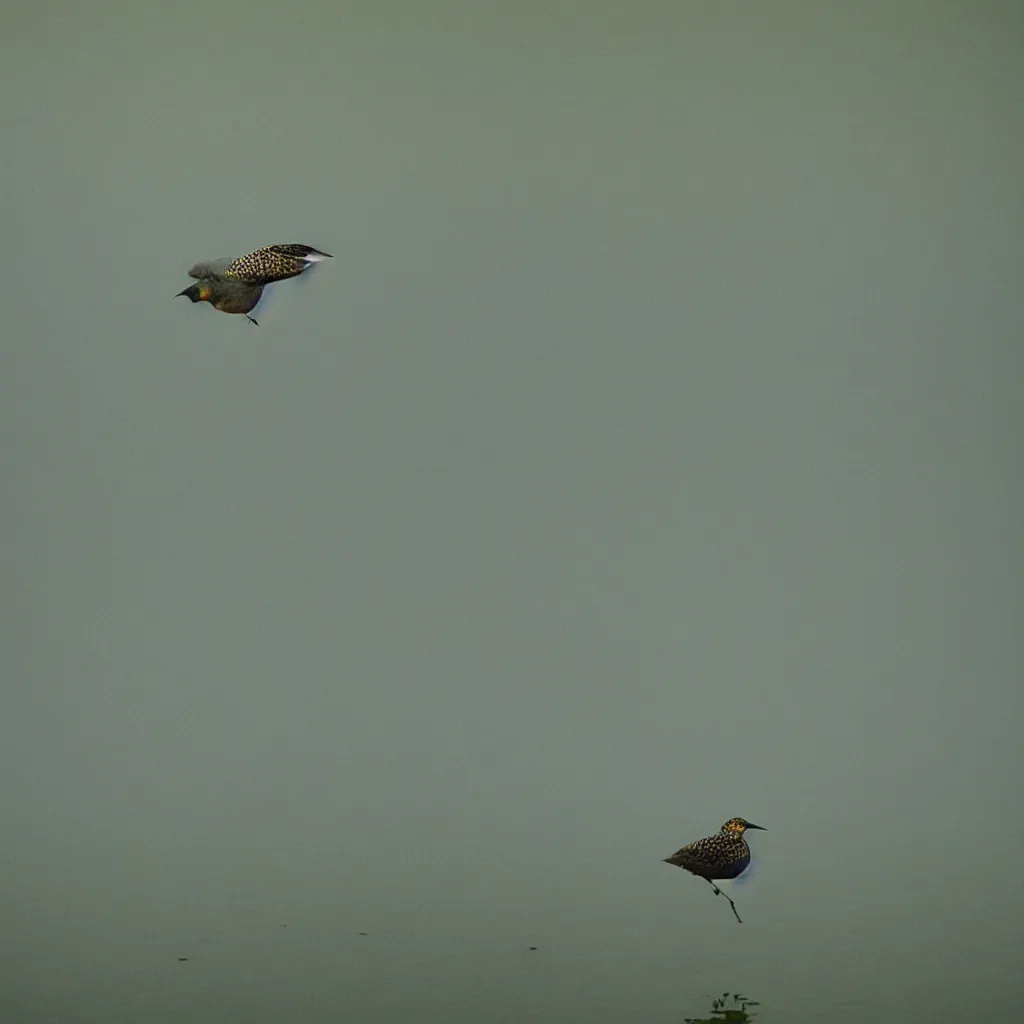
x=718, y=892
x=733, y=905
x=250, y=319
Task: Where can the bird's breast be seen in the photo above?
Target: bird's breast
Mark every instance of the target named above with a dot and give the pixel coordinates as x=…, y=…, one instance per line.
x=238, y=299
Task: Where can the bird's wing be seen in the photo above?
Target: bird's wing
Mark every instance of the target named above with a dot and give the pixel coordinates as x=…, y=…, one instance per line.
x=274, y=263
x=310, y=254
x=698, y=854
x=211, y=268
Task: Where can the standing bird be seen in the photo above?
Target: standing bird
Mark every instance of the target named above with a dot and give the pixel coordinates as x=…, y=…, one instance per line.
x=723, y=856
x=235, y=285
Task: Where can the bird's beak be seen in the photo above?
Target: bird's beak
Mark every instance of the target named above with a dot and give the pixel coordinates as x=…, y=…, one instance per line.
x=760, y=828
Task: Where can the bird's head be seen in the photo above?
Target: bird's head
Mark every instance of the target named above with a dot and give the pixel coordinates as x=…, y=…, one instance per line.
x=198, y=292
x=737, y=826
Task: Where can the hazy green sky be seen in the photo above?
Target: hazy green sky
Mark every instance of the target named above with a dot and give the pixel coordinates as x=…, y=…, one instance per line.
x=650, y=453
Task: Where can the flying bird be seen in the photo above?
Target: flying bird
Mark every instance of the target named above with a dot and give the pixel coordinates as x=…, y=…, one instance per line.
x=234, y=285
x=722, y=856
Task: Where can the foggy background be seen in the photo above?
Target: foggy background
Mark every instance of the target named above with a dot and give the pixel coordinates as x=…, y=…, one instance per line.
x=649, y=454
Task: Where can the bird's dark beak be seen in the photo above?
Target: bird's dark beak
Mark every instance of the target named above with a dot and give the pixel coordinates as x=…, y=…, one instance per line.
x=191, y=292
x=760, y=828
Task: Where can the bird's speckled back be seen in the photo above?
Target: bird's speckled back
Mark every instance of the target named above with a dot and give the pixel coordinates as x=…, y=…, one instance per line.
x=274, y=263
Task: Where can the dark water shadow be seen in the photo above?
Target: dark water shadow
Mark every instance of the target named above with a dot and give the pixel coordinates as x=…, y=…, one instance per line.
x=729, y=1007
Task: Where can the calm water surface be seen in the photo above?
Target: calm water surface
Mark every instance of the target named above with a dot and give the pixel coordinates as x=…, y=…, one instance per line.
x=647, y=455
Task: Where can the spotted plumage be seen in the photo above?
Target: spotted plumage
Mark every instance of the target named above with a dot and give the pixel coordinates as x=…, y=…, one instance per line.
x=725, y=855
x=235, y=285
